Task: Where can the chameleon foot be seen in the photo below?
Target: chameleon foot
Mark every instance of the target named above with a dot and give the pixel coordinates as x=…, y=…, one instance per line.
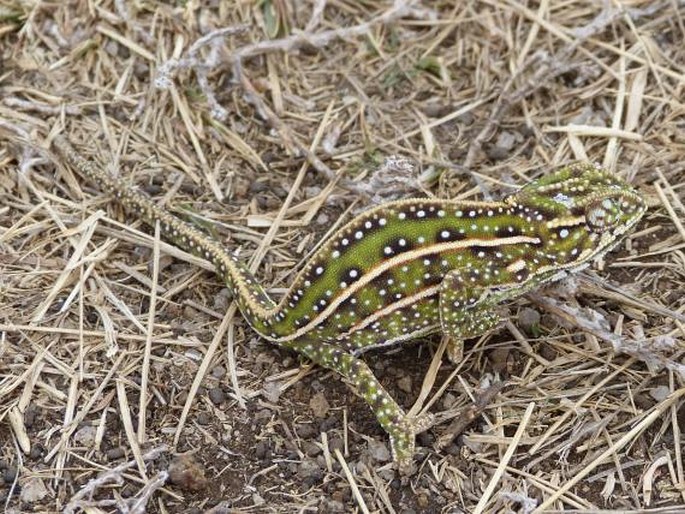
x=403, y=437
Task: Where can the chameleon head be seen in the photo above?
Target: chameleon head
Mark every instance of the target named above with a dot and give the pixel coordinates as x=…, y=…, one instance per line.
x=585, y=209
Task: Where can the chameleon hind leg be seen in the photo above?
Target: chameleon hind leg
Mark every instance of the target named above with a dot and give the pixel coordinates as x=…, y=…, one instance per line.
x=401, y=428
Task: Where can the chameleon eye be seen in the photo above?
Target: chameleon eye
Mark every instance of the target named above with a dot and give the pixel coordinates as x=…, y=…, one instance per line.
x=602, y=214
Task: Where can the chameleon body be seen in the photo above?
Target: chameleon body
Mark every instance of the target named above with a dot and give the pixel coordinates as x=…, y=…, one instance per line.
x=414, y=267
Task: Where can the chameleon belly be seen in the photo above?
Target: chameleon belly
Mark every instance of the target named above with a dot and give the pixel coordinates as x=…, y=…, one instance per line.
x=413, y=267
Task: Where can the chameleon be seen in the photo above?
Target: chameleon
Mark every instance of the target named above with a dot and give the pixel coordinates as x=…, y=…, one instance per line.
x=410, y=268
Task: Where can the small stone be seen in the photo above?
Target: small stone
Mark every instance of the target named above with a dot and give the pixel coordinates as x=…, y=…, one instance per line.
x=332, y=506
x=33, y=490
x=312, y=191
x=115, y=453
x=306, y=430
x=452, y=449
x=506, y=140
x=30, y=416
x=311, y=449
x=448, y=400
x=85, y=436
x=204, y=419
x=310, y=472
x=329, y=423
x=217, y=395
x=221, y=301
x=405, y=384
x=529, y=320
x=272, y=391
x=164, y=262
x=258, y=186
x=548, y=352
x=642, y=401
x=378, y=451
x=262, y=417
x=263, y=450
x=387, y=475
x=319, y=405
x=37, y=452
x=218, y=372
x=10, y=474
x=336, y=444
x=423, y=501
x=186, y=473
x=496, y=153
x=659, y=393
x=500, y=359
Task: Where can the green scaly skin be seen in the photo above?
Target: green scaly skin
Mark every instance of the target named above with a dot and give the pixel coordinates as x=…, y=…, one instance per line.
x=414, y=267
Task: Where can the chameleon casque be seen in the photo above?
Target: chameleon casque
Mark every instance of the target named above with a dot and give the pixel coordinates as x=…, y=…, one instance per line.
x=409, y=268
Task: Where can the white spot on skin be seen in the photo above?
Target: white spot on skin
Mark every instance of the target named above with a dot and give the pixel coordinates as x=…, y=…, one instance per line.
x=516, y=266
x=563, y=233
x=564, y=200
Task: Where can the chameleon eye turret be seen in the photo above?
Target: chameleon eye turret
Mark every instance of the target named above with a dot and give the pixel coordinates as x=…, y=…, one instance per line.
x=411, y=268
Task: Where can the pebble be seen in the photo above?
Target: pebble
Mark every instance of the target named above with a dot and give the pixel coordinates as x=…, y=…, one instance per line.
x=405, y=384
x=10, y=474
x=217, y=395
x=115, y=453
x=319, y=405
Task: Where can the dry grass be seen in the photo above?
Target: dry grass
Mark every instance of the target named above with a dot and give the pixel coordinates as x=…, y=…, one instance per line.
x=265, y=123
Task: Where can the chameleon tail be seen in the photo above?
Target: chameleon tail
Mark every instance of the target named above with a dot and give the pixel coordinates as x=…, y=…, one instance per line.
x=255, y=305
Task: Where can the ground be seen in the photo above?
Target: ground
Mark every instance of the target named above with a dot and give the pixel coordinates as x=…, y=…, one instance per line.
x=129, y=383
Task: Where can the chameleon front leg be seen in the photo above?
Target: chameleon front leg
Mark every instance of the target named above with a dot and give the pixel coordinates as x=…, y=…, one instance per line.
x=467, y=310
x=401, y=428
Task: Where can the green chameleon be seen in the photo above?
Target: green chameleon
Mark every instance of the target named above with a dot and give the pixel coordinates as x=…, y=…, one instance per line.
x=410, y=268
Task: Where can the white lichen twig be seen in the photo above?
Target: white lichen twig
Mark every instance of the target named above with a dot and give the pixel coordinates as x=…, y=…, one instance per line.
x=135, y=505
